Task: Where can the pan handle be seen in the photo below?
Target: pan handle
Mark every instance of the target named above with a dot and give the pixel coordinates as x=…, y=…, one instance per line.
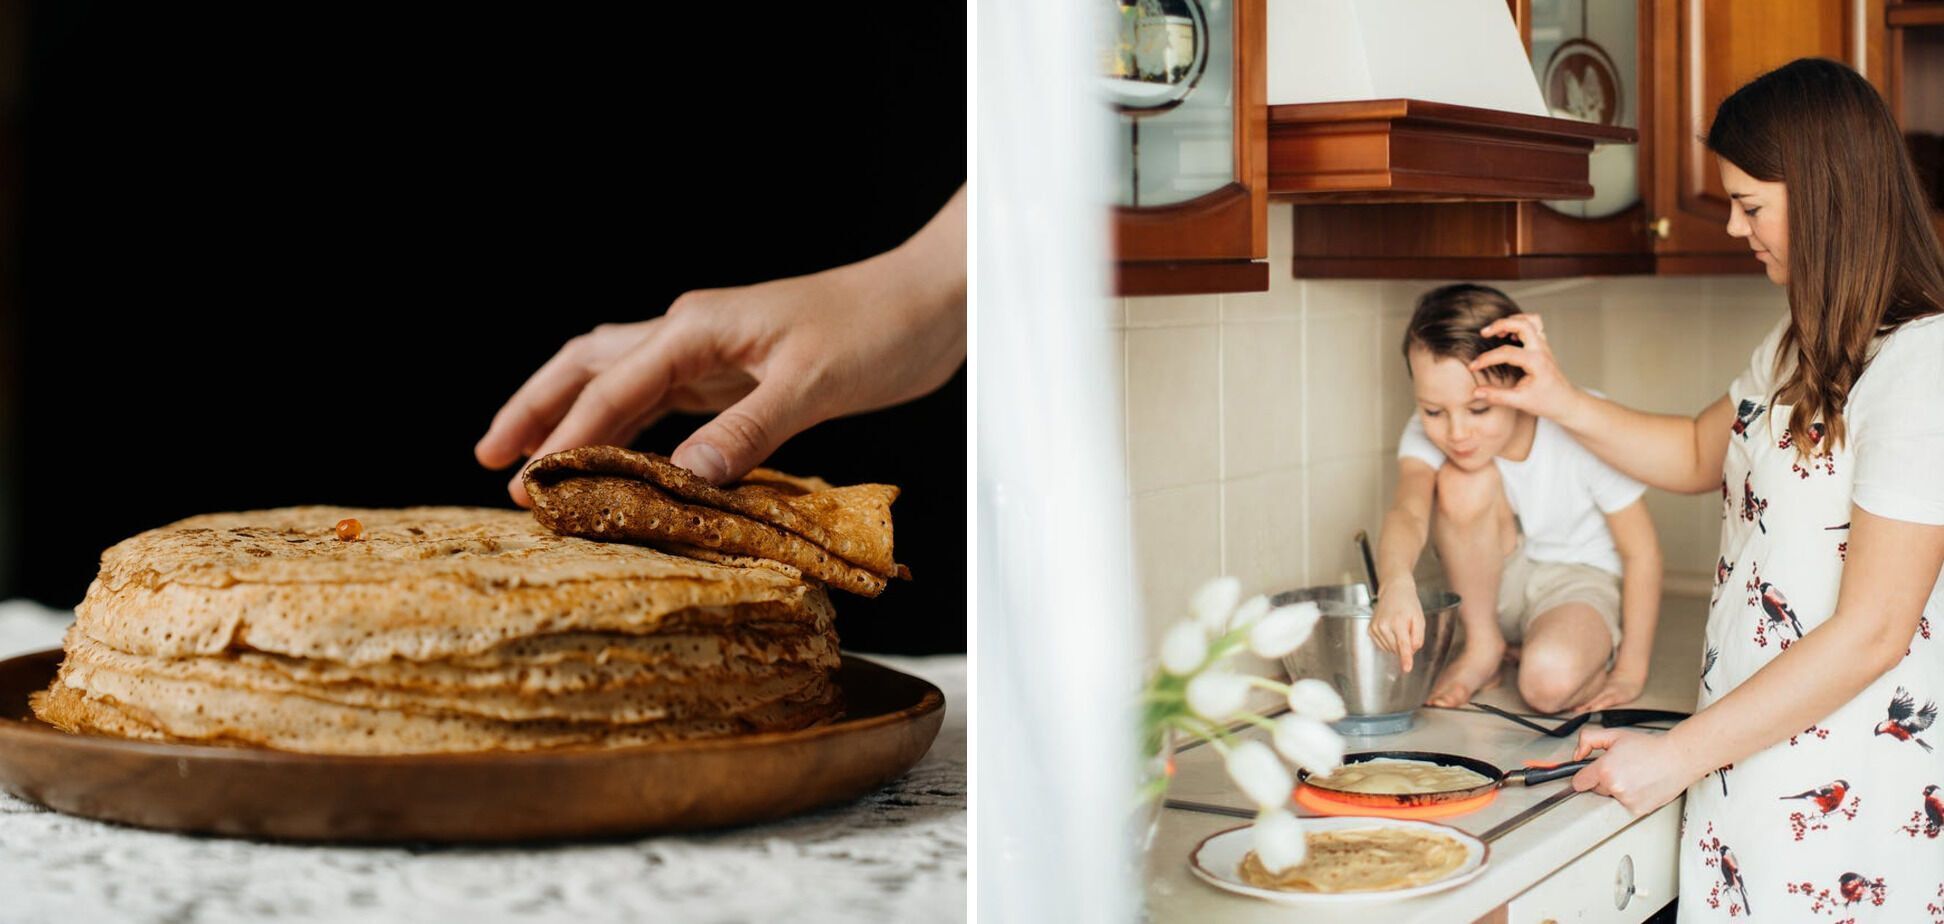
x=1532, y=776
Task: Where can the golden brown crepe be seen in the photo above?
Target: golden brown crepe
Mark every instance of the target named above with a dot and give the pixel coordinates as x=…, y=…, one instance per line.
x=1395, y=777
x=1379, y=859
x=841, y=536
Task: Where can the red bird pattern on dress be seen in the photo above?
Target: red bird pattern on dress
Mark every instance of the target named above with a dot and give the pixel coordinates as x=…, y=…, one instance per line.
x=1815, y=847
x=1906, y=721
x=1929, y=819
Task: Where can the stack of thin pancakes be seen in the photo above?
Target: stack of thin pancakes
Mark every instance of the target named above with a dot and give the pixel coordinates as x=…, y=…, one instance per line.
x=435, y=630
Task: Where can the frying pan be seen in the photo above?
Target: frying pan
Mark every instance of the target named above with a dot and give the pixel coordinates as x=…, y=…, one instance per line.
x=1495, y=778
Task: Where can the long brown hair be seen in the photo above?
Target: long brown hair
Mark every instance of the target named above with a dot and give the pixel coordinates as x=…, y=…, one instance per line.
x=1447, y=321
x=1863, y=257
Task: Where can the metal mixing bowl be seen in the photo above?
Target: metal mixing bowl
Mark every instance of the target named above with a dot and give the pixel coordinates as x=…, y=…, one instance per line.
x=1378, y=697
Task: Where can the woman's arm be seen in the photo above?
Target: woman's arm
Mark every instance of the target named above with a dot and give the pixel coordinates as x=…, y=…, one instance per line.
x=1669, y=452
x=1640, y=591
x=1887, y=579
x=1399, y=543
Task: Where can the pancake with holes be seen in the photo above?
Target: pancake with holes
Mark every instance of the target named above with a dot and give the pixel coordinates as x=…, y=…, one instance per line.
x=433, y=629
x=841, y=536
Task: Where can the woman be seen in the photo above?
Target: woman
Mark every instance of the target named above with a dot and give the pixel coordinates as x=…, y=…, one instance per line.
x=1814, y=769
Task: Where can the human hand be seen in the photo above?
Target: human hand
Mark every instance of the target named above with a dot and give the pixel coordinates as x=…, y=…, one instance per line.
x=1642, y=772
x=1621, y=687
x=773, y=358
x=1544, y=390
x=1398, y=624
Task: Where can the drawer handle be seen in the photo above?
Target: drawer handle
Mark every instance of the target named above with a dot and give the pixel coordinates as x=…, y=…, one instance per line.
x=1623, y=883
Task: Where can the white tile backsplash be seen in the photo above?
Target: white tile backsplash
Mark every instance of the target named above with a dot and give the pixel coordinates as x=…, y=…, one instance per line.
x=1343, y=497
x=1263, y=524
x=1173, y=406
x=1262, y=396
x=1173, y=310
x=1341, y=378
x=1262, y=427
x=1178, y=545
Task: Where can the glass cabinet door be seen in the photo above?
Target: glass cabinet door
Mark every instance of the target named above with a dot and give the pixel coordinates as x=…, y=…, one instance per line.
x=1170, y=76
x=1586, y=56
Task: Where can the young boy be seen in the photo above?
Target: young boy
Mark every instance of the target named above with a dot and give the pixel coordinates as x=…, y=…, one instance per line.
x=1542, y=542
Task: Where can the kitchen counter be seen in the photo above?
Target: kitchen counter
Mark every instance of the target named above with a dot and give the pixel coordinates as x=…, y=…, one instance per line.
x=896, y=855
x=1532, y=832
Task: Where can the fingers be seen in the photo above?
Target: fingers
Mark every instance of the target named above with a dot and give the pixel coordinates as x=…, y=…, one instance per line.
x=629, y=389
x=1380, y=636
x=1406, y=656
x=1503, y=356
x=1593, y=739
x=1529, y=328
x=532, y=412
x=740, y=438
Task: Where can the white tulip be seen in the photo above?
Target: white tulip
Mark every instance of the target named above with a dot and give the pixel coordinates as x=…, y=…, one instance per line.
x=1316, y=699
x=1284, y=629
x=1261, y=776
x=1216, y=694
x=1249, y=612
x=1279, y=840
x=1213, y=603
x=1308, y=743
x=1184, y=648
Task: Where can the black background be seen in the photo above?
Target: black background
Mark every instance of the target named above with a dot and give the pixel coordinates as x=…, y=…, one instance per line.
x=277, y=254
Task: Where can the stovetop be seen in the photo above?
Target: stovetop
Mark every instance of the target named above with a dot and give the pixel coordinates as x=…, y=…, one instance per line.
x=1201, y=784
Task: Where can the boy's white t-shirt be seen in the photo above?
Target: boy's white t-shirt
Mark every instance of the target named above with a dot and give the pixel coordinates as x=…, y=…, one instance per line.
x=1561, y=493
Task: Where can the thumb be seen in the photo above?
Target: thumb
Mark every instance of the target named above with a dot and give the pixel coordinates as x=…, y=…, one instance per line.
x=745, y=434
x=1587, y=778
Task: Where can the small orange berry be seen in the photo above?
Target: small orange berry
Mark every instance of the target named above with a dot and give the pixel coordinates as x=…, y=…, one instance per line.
x=349, y=529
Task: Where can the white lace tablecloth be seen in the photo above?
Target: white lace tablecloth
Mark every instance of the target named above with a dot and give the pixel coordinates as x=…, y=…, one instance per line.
x=896, y=855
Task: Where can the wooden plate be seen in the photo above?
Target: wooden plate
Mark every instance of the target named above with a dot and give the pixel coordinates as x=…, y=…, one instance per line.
x=891, y=719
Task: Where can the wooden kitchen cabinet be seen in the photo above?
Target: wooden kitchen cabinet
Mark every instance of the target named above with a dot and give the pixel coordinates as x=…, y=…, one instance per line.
x=1708, y=48
x=1192, y=203
x=1915, y=56
x=1688, y=56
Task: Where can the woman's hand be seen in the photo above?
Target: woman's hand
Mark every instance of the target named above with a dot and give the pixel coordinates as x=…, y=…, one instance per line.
x=1544, y=390
x=1621, y=687
x=773, y=358
x=1398, y=624
x=1642, y=772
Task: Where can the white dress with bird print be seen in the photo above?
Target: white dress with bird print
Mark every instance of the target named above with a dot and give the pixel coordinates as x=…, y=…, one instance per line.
x=1844, y=821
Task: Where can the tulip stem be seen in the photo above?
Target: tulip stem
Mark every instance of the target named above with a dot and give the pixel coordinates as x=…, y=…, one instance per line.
x=1212, y=734
x=1267, y=684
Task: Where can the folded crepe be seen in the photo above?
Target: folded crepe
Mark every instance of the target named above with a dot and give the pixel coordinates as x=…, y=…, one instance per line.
x=436, y=630
x=840, y=536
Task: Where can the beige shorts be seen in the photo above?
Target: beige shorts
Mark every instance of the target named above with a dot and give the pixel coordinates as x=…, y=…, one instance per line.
x=1528, y=588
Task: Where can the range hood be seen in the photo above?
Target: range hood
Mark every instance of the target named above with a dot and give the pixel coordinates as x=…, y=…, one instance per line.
x=1415, y=101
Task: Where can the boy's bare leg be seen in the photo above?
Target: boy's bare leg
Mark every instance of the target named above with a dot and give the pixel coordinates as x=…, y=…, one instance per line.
x=1471, y=526
x=1566, y=652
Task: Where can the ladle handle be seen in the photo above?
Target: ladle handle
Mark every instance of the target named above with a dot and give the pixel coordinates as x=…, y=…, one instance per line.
x=1370, y=564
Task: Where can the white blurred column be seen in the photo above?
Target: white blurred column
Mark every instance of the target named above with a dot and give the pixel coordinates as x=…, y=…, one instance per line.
x=1057, y=626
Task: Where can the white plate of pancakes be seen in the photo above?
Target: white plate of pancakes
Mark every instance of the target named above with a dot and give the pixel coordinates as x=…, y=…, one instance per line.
x=1351, y=860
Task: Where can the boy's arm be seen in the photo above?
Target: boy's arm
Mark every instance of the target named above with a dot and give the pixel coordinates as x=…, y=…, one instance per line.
x=1407, y=525
x=1640, y=592
x=1399, y=543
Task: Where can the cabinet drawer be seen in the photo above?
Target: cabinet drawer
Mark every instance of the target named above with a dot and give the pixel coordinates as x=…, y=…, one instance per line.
x=1594, y=888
